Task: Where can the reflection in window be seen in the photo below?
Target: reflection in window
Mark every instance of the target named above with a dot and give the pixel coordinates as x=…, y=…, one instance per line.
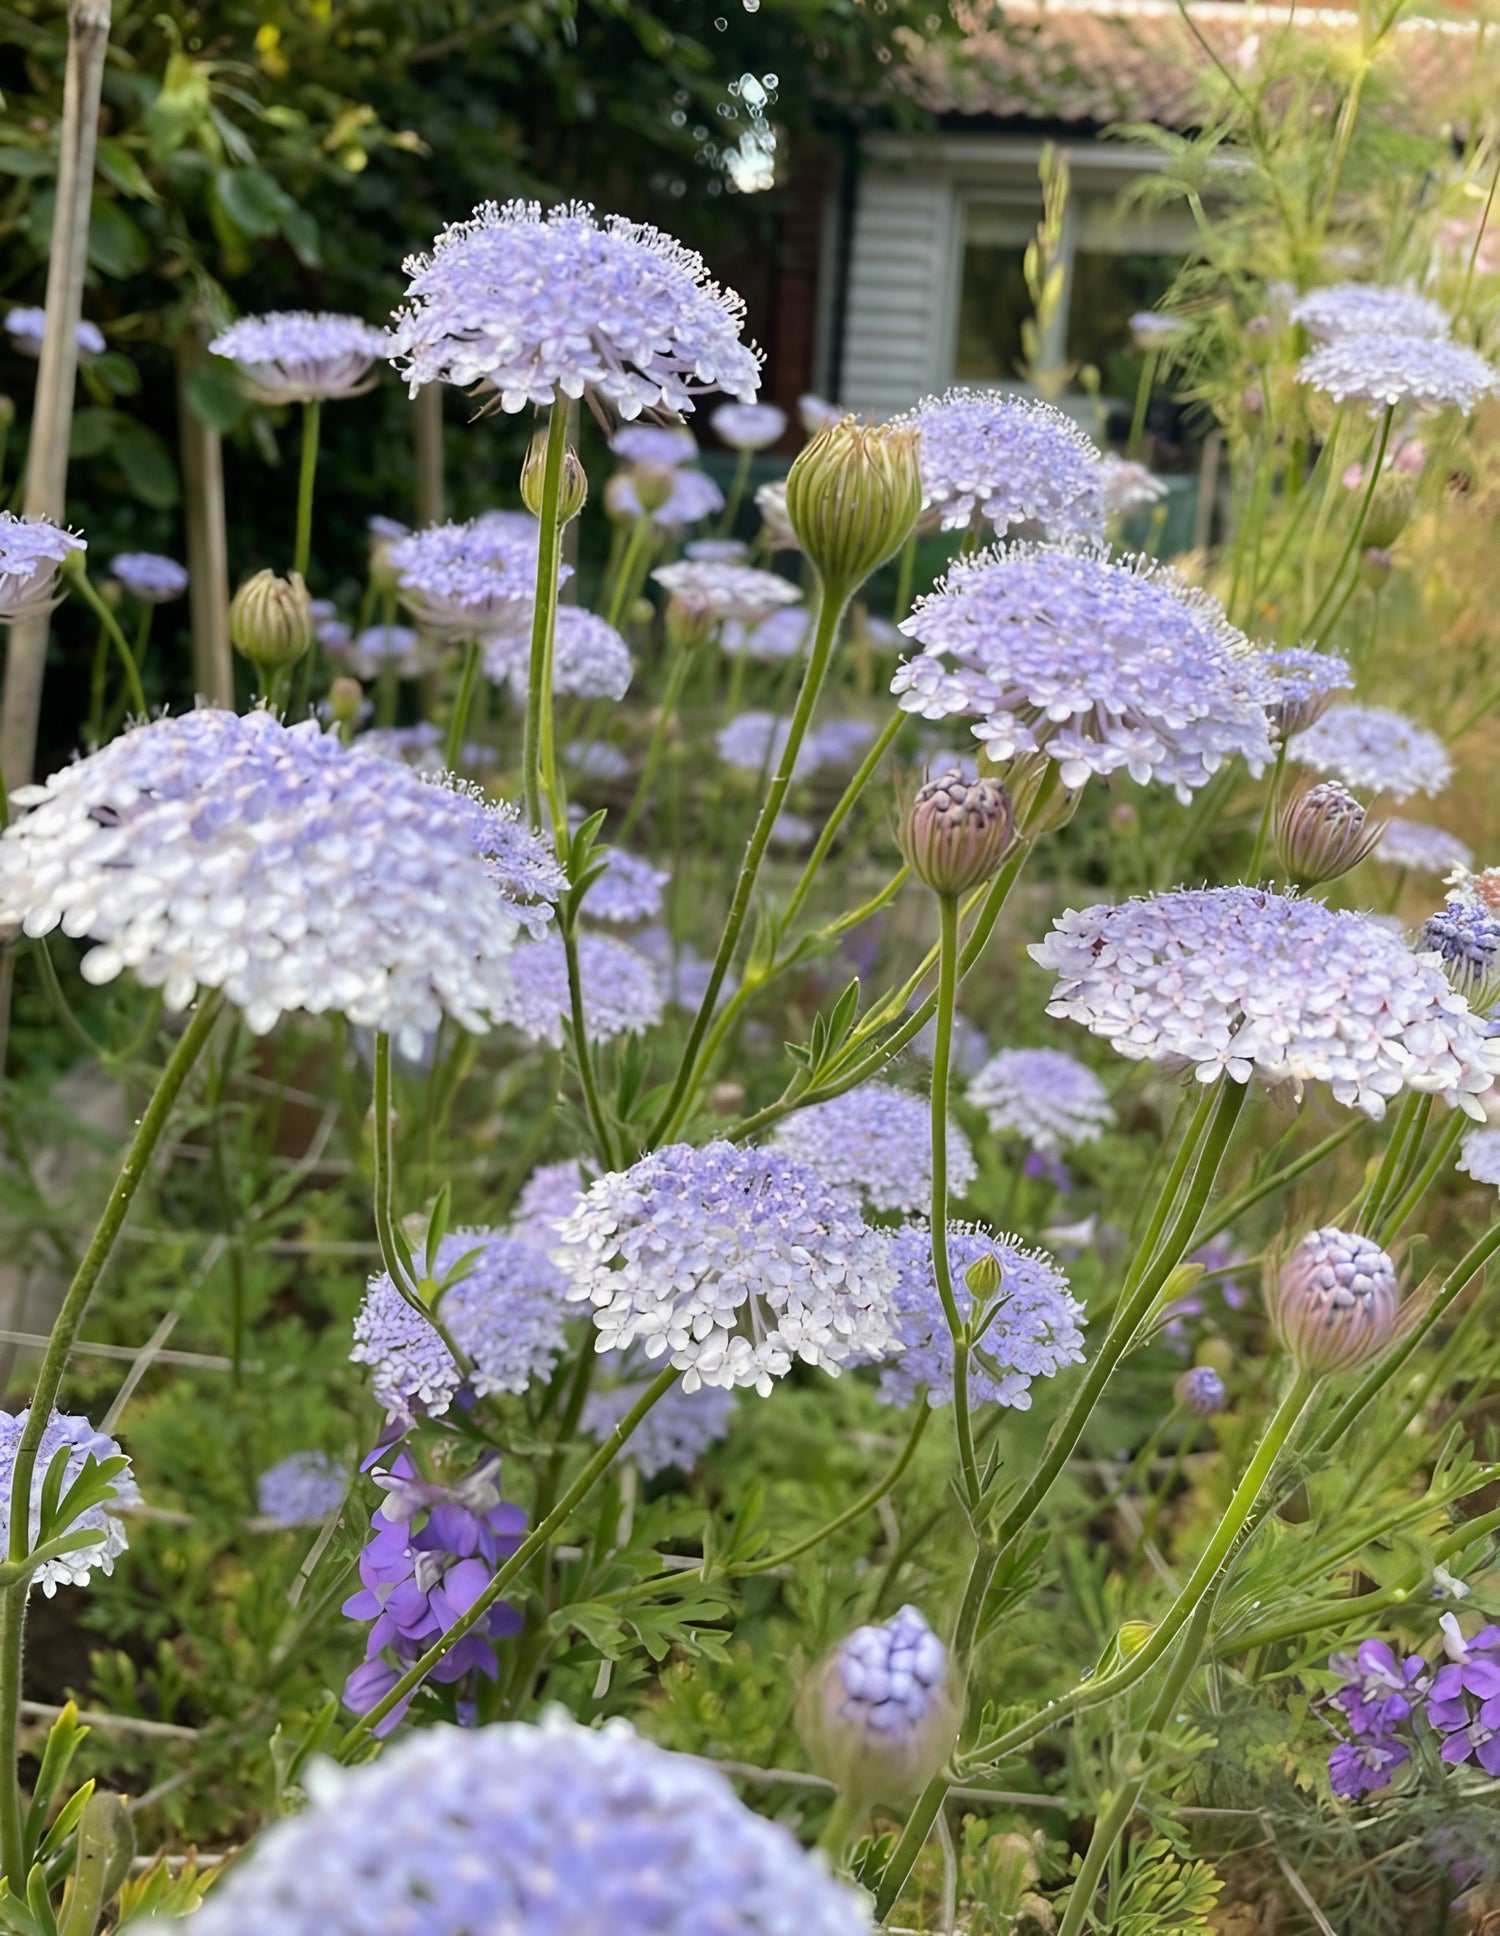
x=993, y=302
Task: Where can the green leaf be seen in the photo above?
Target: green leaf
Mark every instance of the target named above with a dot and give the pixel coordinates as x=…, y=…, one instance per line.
x=119, y=167
x=63, y=1741
x=116, y=245
x=255, y=203
x=62, y=1827
x=26, y=162
x=597, y=1621
x=215, y=397
x=149, y=467
x=114, y=374
x=92, y=433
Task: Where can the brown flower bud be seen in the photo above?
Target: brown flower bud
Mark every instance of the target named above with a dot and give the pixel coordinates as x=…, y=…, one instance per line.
x=956, y=832
x=1322, y=832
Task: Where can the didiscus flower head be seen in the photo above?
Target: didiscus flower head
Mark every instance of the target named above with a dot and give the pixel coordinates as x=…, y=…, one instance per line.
x=74, y=1438
x=1383, y=370
x=1032, y=1323
x=729, y=1264
x=1303, y=682
x=1102, y=664
x=749, y=426
x=299, y=356
x=531, y=306
x=678, y=1429
x=590, y=660
x=1008, y=461
x=1464, y=937
x=876, y=1142
x=558, y=1828
x=1362, y=308
x=149, y=577
x=301, y=1489
x=506, y=1315
x=717, y=592
x=474, y=580
x=1416, y=846
x=879, y=1717
x=1200, y=1390
x=31, y=552
x=1048, y=1098
x=1376, y=750
x=225, y=851
x=1334, y=1301
x=1240, y=981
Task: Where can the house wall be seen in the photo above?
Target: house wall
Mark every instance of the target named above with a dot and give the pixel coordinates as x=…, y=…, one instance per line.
x=900, y=316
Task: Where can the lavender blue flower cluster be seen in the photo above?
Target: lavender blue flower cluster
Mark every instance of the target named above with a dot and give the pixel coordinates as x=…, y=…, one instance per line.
x=678, y=1429
x=1104, y=664
x=555, y=1830
x=1048, y=1098
x=1034, y=1332
x=474, y=580
x=433, y=1550
x=232, y=852
x=148, y=576
x=622, y=993
x=589, y=658
x=1239, y=981
x=1008, y=461
x=301, y=1489
x=70, y=1433
x=1383, y=370
x=506, y=1315
x=717, y=592
x=1421, y=848
x=533, y=306
x=31, y=550
x=876, y=1142
x=729, y=1264
x=1374, y=750
x=298, y=356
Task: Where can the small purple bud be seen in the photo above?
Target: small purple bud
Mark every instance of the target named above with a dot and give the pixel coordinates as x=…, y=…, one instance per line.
x=956, y=832
x=1334, y=1301
x=1200, y=1390
x=879, y=1717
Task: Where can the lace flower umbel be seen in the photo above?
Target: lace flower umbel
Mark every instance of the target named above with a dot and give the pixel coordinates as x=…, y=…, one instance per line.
x=877, y=1142
x=1360, y=308
x=1304, y=681
x=221, y=851
x=31, y=550
x=1048, y=1098
x=729, y=1264
x=507, y=1316
x=1104, y=664
x=74, y=1434
x=148, y=576
x=531, y=306
x=1035, y=1330
x=1374, y=751
x=1382, y=370
x=557, y=1830
x=1239, y=981
x=1422, y=848
x=473, y=580
x=1010, y=461
x=678, y=1429
x=629, y=889
x=719, y=591
x=622, y=993
x=303, y=356
x=589, y=658
x=779, y=637
x=301, y=1489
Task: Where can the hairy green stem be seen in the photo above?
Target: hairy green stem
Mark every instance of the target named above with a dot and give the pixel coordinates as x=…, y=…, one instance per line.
x=830, y=614
x=941, y=1268
x=846, y=805
x=307, y=471
x=1358, y=526
x=463, y=699
x=604, y=1141
x=537, y=765
x=80, y=581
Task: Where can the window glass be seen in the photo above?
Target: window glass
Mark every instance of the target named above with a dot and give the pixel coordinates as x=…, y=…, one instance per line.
x=993, y=302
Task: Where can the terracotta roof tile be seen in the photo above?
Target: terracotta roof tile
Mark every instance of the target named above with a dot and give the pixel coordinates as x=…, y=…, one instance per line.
x=1104, y=61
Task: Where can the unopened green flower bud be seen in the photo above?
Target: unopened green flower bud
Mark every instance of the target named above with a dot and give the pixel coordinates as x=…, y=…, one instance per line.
x=573, y=486
x=983, y=1278
x=879, y=1718
x=1390, y=510
x=1322, y=832
x=271, y=621
x=1375, y=567
x=345, y=697
x=852, y=498
x=687, y=624
x=1334, y=1302
x=956, y=832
